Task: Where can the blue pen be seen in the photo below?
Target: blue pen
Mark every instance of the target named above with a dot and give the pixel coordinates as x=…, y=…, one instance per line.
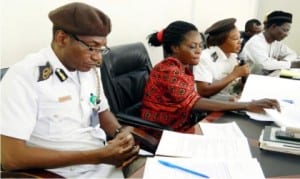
x=288, y=101
x=168, y=164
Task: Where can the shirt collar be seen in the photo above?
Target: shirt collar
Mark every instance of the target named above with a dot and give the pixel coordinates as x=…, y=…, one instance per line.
x=222, y=55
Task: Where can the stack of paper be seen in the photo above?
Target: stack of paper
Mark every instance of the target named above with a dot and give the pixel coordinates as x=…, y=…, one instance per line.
x=222, y=152
x=284, y=90
x=189, y=145
x=197, y=168
x=225, y=130
x=268, y=141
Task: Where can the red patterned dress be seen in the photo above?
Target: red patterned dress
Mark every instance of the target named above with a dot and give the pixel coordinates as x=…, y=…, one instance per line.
x=170, y=95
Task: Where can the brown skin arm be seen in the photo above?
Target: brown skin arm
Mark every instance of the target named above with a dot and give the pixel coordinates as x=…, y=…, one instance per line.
x=108, y=122
x=204, y=104
x=209, y=89
x=16, y=154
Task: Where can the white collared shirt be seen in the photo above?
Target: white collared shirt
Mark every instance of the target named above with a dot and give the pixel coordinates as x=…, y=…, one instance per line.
x=51, y=113
x=265, y=56
x=213, y=66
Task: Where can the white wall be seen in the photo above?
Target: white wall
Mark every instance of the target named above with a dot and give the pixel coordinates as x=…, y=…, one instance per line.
x=25, y=26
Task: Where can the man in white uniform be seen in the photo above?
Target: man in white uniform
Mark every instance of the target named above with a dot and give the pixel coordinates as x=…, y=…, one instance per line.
x=266, y=50
x=218, y=73
x=50, y=99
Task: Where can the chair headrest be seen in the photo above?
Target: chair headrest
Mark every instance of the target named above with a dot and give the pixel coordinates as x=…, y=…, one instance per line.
x=127, y=58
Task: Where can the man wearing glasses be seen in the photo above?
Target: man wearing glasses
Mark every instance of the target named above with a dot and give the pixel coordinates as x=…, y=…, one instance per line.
x=266, y=49
x=52, y=98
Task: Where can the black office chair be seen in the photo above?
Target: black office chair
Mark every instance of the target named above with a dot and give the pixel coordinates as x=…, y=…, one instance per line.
x=124, y=72
x=2, y=72
x=204, y=40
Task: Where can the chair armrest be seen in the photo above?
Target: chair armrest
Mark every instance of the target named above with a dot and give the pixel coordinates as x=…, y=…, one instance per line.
x=139, y=122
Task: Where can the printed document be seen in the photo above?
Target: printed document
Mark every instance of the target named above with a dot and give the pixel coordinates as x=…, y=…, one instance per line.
x=227, y=130
x=286, y=91
x=175, y=144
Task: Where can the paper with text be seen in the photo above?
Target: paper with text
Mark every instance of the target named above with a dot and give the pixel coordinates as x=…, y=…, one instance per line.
x=230, y=129
x=177, y=144
x=286, y=91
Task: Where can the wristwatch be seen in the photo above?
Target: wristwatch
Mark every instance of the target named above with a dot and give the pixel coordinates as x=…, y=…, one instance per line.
x=117, y=131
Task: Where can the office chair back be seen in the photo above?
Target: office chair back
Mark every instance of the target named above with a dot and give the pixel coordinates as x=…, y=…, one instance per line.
x=124, y=72
x=126, y=69
x=2, y=72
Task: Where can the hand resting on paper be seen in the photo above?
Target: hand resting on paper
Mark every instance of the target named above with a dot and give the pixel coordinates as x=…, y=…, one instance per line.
x=258, y=106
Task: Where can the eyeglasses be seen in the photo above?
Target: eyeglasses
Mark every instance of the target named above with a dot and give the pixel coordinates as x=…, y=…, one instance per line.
x=103, y=50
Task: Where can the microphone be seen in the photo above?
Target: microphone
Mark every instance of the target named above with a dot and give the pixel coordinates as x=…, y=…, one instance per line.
x=241, y=63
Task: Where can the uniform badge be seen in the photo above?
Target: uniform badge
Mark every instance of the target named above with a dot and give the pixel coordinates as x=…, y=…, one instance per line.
x=215, y=56
x=45, y=72
x=95, y=102
x=62, y=76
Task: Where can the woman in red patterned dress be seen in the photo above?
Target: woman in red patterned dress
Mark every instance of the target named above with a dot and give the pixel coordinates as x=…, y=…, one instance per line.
x=170, y=97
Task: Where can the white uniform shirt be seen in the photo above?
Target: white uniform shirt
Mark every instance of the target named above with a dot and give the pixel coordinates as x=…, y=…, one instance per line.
x=214, y=65
x=265, y=56
x=52, y=113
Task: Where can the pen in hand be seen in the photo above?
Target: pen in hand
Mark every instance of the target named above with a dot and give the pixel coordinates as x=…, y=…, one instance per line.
x=170, y=165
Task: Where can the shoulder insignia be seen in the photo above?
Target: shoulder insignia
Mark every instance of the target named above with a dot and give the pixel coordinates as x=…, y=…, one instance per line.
x=45, y=72
x=61, y=74
x=214, y=56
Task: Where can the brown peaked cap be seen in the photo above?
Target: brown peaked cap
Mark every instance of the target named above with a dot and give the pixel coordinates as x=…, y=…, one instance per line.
x=221, y=26
x=80, y=19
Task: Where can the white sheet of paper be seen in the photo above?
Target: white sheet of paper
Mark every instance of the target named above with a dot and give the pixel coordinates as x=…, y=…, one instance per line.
x=227, y=130
x=249, y=168
x=190, y=145
x=258, y=87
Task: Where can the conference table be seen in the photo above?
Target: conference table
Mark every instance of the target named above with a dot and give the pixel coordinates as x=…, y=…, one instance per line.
x=273, y=164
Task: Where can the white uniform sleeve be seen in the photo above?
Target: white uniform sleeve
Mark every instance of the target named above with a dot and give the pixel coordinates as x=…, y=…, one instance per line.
x=202, y=71
x=286, y=53
x=18, y=106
